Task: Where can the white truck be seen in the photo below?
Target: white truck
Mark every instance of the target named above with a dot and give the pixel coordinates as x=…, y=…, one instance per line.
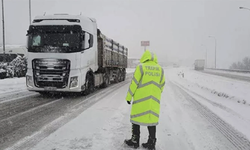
x=68, y=53
x=199, y=64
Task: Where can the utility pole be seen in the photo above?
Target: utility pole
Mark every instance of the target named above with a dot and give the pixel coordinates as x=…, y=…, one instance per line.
x=215, y=52
x=205, y=54
x=244, y=8
x=30, y=10
x=3, y=31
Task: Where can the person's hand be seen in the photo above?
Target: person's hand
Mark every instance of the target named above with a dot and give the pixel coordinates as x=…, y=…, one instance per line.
x=128, y=102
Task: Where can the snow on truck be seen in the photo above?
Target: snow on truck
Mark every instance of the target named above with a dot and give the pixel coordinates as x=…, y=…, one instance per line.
x=199, y=64
x=68, y=53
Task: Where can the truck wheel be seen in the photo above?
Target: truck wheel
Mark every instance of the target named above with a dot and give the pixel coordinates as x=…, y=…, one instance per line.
x=106, y=80
x=90, y=87
x=118, y=75
x=123, y=75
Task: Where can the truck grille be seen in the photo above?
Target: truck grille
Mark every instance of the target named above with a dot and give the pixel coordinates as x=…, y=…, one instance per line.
x=51, y=72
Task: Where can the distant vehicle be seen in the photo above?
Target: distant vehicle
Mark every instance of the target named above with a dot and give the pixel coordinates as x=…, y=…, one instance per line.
x=199, y=64
x=68, y=53
x=176, y=66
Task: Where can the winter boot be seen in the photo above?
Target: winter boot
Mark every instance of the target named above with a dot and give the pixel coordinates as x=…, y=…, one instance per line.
x=150, y=145
x=134, y=142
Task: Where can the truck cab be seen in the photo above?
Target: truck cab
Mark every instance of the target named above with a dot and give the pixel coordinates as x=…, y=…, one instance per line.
x=62, y=49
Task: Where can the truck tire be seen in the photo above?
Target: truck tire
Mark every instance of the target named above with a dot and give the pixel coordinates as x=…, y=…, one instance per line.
x=123, y=75
x=90, y=87
x=106, y=80
x=118, y=75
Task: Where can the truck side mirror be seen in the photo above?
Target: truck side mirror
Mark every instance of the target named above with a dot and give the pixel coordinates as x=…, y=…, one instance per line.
x=83, y=41
x=88, y=41
x=91, y=40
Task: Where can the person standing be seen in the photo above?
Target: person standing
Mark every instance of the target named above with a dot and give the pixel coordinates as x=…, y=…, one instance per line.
x=145, y=89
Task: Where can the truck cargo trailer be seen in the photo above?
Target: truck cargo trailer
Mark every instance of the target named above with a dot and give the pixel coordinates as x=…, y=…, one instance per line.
x=199, y=64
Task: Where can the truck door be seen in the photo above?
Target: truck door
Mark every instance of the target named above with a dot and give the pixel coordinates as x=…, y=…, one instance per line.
x=87, y=55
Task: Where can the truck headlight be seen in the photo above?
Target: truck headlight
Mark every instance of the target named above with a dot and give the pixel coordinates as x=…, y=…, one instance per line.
x=29, y=81
x=73, y=82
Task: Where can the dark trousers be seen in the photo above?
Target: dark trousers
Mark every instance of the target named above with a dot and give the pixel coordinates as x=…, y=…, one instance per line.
x=151, y=130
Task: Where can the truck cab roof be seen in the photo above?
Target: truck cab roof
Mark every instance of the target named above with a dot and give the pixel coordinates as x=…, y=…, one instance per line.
x=87, y=24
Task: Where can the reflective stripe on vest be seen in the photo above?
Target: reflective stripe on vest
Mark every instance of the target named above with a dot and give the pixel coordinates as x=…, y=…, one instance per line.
x=136, y=82
x=141, y=69
x=162, y=74
x=145, y=99
x=151, y=82
x=144, y=124
x=162, y=84
x=148, y=83
x=145, y=113
x=130, y=92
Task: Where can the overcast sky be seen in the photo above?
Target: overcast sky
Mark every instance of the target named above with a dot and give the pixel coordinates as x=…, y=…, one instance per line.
x=176, y=29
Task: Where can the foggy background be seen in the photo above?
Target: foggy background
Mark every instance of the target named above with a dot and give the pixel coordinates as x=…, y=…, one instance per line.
x=176, y=29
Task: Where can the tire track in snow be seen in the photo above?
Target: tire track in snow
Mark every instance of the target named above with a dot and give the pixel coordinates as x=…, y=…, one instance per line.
x=26, y=100
x=15, y=95
x=11, y=92
x=236, y=138
x=72, y=108
x=11, y=108
x=214, y=103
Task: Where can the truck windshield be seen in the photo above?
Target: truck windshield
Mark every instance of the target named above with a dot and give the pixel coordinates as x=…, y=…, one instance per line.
x=54, y=40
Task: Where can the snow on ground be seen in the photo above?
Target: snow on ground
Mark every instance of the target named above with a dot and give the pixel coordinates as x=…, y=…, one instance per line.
x=106, y=124
x=228, y=98
x=10, y=85
x=227, y=72
x=130, y=70
x=232, y=89
x=14, y=49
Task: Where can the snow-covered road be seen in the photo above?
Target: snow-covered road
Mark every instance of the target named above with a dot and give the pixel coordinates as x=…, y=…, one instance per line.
x=12, y=85
x=197, y=112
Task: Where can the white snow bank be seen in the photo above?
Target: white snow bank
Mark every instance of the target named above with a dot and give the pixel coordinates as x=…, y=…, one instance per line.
x=228, y=98
x=232, y=89
x=130, y=70
x=228, y=72
x=9, y=85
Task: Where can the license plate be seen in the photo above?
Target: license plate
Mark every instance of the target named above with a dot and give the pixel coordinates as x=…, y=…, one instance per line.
x=50, y=88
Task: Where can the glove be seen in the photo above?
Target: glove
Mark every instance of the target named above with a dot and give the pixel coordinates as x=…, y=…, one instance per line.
x=128, y=102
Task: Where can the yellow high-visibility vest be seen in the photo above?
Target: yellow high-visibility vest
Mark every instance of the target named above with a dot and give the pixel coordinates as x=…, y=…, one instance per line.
x=146, y=88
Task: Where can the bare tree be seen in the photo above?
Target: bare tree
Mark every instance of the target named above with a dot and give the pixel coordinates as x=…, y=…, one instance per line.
x=243, y=65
